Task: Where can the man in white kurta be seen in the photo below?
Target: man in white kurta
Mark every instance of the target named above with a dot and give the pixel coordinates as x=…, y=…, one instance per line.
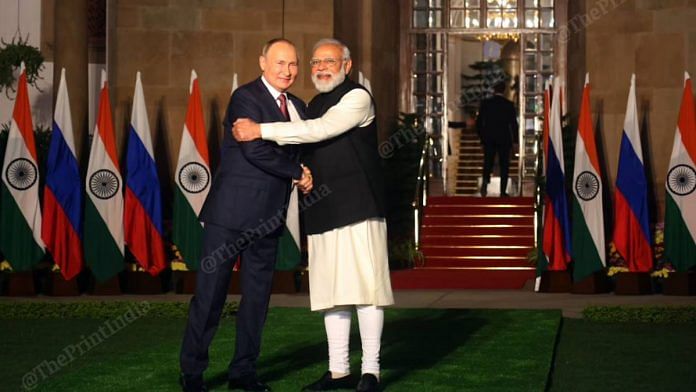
x=348, y=265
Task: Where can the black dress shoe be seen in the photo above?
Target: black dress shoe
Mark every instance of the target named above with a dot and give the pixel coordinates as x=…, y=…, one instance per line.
x=326, y=383
x=368, y=383
x=192, y=383
x=248, y=383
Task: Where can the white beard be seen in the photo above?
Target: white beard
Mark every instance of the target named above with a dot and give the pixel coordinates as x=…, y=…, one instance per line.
x=324, y=86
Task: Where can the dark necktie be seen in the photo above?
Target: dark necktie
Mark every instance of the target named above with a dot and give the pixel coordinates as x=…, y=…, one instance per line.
x=284, y=106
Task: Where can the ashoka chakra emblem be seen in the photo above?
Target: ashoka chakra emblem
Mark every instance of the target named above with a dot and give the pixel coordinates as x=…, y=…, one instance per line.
x=21, y=174
x=587, y=186
x=194, y=177
x=681, y=180
x=104, y=184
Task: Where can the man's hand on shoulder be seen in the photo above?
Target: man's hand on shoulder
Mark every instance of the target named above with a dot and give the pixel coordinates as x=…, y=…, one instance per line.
x=245, y=130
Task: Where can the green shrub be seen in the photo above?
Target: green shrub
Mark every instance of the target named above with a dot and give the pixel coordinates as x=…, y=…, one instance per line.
x=643, y=314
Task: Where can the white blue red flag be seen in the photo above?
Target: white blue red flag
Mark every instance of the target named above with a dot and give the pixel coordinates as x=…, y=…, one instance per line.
x=62, y=209
x=556, y=239
x=143, y=212
x=631, y=227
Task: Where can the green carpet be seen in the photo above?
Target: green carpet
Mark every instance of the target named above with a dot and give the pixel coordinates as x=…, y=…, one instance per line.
x=423, y=350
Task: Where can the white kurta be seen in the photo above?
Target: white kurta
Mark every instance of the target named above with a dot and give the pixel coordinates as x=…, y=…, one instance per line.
x=348, y=265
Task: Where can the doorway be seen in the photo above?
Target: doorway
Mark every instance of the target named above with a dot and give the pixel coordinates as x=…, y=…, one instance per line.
x=475, y=64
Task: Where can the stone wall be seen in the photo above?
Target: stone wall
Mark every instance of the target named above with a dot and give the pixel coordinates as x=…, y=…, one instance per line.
x=165, y=39
x=656, y=40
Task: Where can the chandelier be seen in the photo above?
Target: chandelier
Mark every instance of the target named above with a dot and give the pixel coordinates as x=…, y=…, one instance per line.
x=499, y=37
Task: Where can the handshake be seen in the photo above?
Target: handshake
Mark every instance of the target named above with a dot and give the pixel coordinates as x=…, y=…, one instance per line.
x=305, y=183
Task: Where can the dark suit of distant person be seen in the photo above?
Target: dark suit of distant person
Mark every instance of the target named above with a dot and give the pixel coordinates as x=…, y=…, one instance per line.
x=497, y=127
x=252, y=186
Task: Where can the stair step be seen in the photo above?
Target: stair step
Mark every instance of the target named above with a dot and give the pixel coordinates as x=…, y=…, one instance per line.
x=477, y=261
x=497, y=219
x=478, y=229
x=475, y=252
x=480, y=209
x=512, y=240
x=466, y=201
x=473, y=168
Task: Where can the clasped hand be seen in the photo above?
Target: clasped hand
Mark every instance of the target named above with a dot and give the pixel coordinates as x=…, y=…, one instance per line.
x=305, y=183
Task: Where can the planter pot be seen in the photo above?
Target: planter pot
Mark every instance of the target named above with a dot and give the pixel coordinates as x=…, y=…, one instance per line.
x=679, y=283
x=109, y=287
x=302, y=281
x=235, y=285
x=284, y=282
x=597, y=283
x=555, y=282
x=141, y=282
x=633, y=283
x=57, y=286
x=185, y=282
x=19, y=284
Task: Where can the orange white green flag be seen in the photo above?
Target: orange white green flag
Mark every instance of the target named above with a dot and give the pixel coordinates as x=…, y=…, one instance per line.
x=680, y=201
x=103, y=237
x=192, y=180
x=589, y=254
x=20, y=213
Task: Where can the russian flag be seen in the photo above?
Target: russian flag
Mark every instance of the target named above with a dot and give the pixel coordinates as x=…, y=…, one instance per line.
x=62, y=199
x=143, y=205
x=631, y=229
x=556, y=239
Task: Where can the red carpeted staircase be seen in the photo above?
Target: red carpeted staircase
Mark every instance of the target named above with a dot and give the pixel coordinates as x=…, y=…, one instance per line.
x=473, y=243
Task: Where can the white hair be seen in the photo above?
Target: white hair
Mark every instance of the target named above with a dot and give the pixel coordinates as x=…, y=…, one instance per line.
x=333, y=41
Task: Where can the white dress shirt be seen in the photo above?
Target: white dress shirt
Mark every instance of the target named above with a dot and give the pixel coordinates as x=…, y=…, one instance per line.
x=292, y=112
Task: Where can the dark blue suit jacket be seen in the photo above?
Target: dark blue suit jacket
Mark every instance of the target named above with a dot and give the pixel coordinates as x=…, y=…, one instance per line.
x=252, y=183
x=497, y=122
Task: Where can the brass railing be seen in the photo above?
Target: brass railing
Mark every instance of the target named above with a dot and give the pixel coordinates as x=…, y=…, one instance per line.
x=420, y=199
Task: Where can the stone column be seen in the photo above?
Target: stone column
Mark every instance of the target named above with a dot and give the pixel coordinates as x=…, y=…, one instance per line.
x=370, y=28
x=71, y=53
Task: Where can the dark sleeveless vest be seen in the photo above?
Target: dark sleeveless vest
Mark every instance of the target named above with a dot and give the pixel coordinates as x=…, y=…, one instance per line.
x=347, y=171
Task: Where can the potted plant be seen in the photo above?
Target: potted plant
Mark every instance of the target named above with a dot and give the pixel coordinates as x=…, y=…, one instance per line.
x=12, y=54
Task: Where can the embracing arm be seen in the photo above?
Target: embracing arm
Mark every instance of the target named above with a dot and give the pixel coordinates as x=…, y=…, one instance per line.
x=354, y=109
x=260, y=153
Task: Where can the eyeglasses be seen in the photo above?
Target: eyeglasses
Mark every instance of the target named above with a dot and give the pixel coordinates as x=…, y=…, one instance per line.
x=329, y=62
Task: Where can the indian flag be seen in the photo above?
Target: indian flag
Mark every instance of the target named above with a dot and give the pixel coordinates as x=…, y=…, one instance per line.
x=680, y=203
x=192, y=179
x=20, y=213
x=103, y=236
x=588, y=220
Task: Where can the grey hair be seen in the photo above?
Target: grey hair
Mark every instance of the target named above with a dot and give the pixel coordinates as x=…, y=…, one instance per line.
x=333, y=41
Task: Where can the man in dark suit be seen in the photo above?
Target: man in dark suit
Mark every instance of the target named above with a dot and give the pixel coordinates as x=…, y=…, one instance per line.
x=243, y=216
x=497, y=127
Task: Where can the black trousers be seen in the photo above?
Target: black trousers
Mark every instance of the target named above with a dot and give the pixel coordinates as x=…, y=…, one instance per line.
x=489, y=153
x=220, y=248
